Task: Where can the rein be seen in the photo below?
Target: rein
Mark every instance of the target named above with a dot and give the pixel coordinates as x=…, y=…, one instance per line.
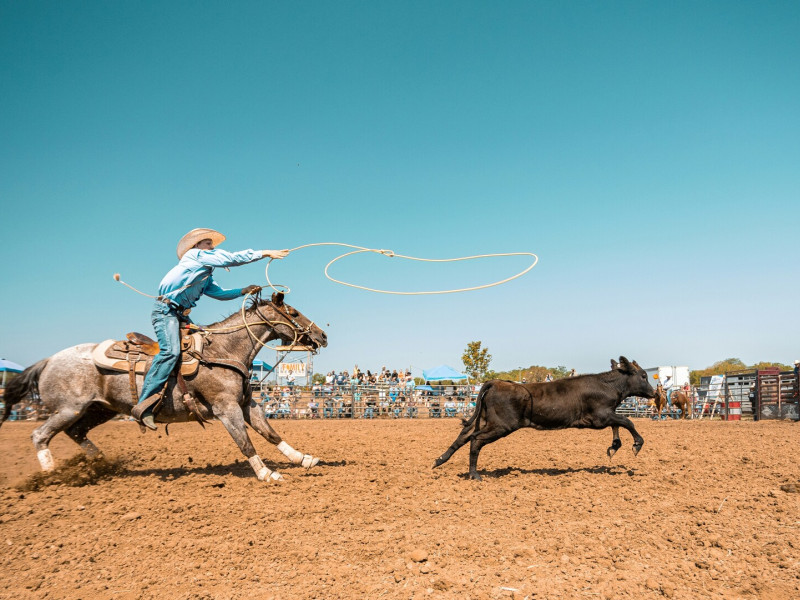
x=297, y=330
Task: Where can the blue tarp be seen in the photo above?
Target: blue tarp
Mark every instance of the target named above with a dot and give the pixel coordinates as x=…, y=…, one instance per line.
x=442, y=373
x=260, y=364
x=425, y=388
x=12, y=367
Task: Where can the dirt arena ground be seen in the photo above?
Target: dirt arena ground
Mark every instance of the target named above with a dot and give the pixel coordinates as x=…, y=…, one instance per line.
x=707, y=510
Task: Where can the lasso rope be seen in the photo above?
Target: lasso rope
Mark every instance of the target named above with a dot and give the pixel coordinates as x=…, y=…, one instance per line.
x=391, y=254
x=358, y=250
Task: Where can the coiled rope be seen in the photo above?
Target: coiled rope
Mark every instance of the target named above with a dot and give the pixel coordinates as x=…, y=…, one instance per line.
x=392, y=254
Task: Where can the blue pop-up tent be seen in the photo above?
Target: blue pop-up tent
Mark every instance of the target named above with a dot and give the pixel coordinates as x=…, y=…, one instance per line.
x=6, y=366
x=261, y=369
x=443, y=373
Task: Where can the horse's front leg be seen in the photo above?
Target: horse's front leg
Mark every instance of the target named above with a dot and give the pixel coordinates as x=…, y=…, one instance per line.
x=230, y=413
x=254, y=416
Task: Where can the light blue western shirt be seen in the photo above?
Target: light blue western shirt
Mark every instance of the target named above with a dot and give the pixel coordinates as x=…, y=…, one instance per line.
x=191, y=277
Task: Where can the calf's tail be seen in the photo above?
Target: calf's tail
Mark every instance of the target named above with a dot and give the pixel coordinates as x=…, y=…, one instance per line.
x=478, y=404
x=23, y=384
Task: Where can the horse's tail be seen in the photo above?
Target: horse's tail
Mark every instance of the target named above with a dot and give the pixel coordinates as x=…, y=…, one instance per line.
x=23, y=384
x=478, y=404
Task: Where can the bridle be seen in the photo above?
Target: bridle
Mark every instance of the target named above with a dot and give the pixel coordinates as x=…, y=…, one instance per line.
x=298, y=330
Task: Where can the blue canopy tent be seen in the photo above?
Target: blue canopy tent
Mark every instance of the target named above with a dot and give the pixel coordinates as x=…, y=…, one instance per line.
x=443, y=373
x=6, y=366
x=261, y=370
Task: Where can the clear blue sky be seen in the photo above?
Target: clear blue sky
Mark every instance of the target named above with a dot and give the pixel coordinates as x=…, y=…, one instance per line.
x=648, y=152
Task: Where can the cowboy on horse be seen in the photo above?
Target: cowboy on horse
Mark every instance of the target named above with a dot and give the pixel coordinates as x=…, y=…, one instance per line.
x=178, y=293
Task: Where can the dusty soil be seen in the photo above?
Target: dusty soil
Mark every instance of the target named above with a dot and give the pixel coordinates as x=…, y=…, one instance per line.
x=700, y=513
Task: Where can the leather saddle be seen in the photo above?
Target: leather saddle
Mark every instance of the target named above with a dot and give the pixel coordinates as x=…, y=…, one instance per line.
x=137, y=352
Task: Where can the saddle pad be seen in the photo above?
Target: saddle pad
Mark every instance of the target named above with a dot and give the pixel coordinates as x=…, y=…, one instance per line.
x=189, y=365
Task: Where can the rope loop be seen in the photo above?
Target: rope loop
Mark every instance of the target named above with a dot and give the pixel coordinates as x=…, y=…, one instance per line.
x=392, y=254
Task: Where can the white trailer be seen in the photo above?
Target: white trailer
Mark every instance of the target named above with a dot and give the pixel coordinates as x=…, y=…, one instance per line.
x=669, y=377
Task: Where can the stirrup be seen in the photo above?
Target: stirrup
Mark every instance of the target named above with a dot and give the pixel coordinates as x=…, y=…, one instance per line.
x=152, y=403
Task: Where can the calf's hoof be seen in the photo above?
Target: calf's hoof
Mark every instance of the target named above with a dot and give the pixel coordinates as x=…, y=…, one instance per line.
x=636, y=448
x=437, y=463
x=611, y=451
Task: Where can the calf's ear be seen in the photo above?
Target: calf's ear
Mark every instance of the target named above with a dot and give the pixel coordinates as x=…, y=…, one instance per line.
x=625, y=366
x=614, y=364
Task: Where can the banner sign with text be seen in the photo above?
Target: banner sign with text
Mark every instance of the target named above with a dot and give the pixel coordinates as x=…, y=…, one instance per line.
x=296, y=369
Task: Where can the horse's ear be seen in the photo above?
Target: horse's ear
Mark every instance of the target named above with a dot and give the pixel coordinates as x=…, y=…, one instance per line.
x=277, y=298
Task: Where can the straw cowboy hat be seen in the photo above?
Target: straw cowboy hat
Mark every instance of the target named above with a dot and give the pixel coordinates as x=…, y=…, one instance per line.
x=198, y=235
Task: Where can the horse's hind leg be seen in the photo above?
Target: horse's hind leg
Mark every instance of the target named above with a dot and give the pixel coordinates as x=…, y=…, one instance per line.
x=59, y=421
x=254, y=416
x=95, y=415
x=230, y=414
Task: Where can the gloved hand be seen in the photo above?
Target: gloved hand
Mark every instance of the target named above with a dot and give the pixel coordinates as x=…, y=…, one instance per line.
x=274, y=253
x=251, y=289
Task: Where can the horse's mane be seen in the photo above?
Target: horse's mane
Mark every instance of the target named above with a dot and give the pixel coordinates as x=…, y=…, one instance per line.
x=254, y=302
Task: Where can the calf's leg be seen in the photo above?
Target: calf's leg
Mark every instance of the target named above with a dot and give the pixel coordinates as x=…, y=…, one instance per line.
x=462, y=439
x=479, y=440
x=616, y=443
x=615, y=420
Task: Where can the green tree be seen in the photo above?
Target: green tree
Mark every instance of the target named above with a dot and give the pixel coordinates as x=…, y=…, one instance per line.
x=476, y=361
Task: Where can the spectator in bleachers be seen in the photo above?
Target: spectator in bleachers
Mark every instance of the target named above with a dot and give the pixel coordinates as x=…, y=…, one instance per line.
x=411, y=407
x=434, y=406
x=328, y=405
x=397, y=410
x=342, y=379
x=450, y=408
x=369, y=409
x=313, y=409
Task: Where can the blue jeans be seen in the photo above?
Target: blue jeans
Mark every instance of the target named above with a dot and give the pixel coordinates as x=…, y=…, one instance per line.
x=166, y=322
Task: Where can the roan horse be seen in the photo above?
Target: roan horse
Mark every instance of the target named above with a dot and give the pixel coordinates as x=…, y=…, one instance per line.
x=585, y=401
x=82, y=396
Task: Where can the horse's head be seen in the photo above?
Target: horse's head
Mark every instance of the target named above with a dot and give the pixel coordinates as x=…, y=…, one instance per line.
x=289, y=324
x=635, y=378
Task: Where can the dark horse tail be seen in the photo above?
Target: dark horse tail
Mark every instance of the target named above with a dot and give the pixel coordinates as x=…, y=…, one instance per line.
x=23, y=384
x=478, y=404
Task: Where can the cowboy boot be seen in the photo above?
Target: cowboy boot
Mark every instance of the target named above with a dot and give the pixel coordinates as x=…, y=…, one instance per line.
x=143, y=412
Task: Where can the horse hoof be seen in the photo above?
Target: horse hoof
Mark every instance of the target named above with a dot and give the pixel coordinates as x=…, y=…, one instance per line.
x=475, y=477
x=309, y=461
x=275, y=476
